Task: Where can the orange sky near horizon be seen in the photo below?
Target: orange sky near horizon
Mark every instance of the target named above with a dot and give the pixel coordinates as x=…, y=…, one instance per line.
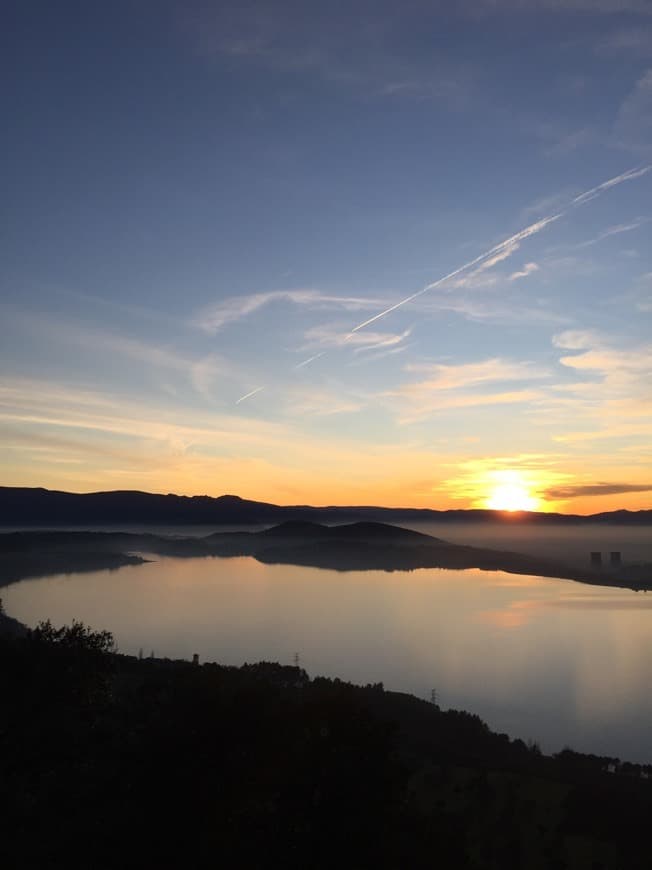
x=323, y=257
x=371, y=480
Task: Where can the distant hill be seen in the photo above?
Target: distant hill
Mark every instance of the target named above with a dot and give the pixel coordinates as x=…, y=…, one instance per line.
x=23, y=506
x=359, y=546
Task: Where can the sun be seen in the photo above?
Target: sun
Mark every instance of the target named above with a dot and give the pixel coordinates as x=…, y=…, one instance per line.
x=511, y=493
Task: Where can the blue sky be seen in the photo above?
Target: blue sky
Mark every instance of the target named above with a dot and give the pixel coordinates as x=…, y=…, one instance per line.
x=199, y=197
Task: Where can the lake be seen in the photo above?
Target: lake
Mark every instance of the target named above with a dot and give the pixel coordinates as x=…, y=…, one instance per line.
x=554, y=661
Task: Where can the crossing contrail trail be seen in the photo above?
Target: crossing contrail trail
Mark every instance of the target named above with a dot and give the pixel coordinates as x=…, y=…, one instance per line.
x=525, y=233
x=505, y=247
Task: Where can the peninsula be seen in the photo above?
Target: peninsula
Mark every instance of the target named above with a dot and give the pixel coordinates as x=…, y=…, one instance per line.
x=360, y=546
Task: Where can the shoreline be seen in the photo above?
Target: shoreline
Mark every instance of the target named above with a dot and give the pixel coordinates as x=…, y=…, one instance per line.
x=352, y=547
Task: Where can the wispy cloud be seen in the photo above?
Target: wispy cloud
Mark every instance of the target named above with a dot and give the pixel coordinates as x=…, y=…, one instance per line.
x=442, y=376
x=323, y=402
x=504, y=310
x=386, y=342
x=328, y=335
x=592, y=193
x=318, y=340
x=637, y=41
x=611, y=396
x=576, y=339
x=50, y=328
x=528, y=269
x=365, y=57
x=562, y=143
x=445, y=387
x=613, y=364
x=550, y=203
x=215, y=317
x=509, y=246
x=634, y=122
x=495, y=254
x=115, y=440
x=615, y=230
x=163, y=365
x=70, y=407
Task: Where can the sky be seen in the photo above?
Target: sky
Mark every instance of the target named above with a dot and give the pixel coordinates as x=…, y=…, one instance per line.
x=329, y=253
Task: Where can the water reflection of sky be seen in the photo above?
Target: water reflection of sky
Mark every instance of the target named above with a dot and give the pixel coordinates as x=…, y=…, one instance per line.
x=550, y=660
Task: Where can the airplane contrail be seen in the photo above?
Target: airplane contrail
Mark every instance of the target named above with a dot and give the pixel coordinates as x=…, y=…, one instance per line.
x=249, y=395
x=506, y=243
x=504, y=246
x=631, y=174
x=510, y=242
x=309, y=360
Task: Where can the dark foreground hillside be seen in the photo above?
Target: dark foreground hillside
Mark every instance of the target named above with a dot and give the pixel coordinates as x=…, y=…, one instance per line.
x=110, y=761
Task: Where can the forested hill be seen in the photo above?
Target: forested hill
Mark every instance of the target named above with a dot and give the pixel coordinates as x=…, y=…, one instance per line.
x=110, y=761
x=22, y=506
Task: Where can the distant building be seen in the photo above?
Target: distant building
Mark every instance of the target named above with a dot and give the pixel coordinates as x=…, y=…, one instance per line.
x=596, y=560
x=195, y=658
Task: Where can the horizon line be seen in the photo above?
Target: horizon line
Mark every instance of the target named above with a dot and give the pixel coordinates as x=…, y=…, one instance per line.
x=306, y=506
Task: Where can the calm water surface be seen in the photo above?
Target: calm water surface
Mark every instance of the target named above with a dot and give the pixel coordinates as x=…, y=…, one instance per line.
x=548, y=660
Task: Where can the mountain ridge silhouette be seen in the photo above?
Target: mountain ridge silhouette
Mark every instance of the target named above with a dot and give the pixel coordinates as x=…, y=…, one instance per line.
x=37, y=506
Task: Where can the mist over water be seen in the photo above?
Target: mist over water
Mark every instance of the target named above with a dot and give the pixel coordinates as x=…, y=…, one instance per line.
x=556, y=541
x=555, y=661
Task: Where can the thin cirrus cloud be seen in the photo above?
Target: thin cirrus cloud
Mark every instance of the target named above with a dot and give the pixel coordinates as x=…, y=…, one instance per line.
x=323, y=402
x=615, y=230
x=479, y=264
x=634, y=122
x=166, y=363
x=52, y=329
x=309, y=40
x=611, y=396
x=333, y=336
x=385, y=342
x=598, y=354
x=503, y=310
x=576, y=339
x=441, y=376
x=496, y=254
x=616, y=385
x=58, y=407
x=527, y=270
x=235, y=308
x=112, y=437
x=446, y=387
x=509, y=246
